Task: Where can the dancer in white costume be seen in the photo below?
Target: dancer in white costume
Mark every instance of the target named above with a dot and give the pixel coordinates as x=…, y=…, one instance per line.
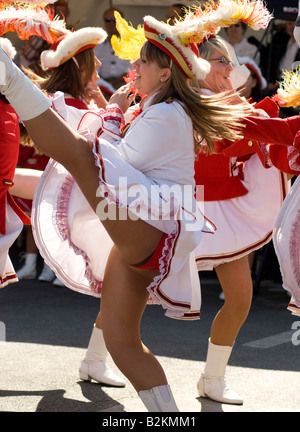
x=149, y=226
x=242, y=198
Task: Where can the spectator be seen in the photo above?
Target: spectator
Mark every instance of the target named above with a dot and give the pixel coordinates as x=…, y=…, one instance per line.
x=241, y=45
x=176, y=11
x=281, y=53
x=113, y=69
x=255, y=83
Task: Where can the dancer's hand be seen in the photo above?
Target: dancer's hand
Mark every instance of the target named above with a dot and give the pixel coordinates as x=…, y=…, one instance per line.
x=223, y=84
x=94, y=93
x=93, y=90
x=123, y=97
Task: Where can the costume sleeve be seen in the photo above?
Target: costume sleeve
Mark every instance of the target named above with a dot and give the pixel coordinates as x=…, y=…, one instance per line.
x=283, y=136
x=149, y=144
x=272, y=130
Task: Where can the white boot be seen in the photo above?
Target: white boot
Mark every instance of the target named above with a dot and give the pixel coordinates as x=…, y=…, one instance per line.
x=47, y=274
x=211, y=383
x=27, y=100
x=58, y=282
x=94, y=364
x=28, y=270
x=159, y=399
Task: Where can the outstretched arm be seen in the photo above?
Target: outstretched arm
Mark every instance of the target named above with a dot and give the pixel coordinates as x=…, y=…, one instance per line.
x=272, y=130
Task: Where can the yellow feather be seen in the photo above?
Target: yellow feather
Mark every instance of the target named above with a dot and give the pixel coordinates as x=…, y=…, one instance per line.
x=288, y=93
x=128, y=45
x=208, y=19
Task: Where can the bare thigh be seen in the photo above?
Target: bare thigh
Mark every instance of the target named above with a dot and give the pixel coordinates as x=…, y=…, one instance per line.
x=123, y=301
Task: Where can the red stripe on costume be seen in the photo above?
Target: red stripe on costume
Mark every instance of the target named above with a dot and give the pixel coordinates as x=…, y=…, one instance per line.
x=167, y=261
x=8, y=278
x=19, y=212
x=238, y=253
x=191, y=315
x=102, y=167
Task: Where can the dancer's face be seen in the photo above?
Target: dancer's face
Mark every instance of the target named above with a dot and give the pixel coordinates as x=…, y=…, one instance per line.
x=217, y=79
x=149, y=76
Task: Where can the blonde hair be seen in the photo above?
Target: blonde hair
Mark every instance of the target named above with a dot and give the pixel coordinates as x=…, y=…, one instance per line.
x=215, y=43
x=211, y=117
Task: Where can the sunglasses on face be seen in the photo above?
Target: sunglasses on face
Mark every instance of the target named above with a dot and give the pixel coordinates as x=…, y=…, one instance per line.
x=108, y=20
x=224, y=61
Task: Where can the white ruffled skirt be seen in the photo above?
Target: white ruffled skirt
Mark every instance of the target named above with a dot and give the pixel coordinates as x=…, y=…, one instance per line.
x=286, y=238
x=74, y=243
x=244, y=224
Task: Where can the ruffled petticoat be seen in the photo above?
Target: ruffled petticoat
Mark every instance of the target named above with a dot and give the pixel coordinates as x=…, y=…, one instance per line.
x=244, y=224
x=74, y=243
x=286, y=238
x=14, y=227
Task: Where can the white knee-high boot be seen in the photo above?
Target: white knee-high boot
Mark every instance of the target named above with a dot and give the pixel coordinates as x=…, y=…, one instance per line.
x=212, y=383
x=159, y=399
x=94, y=365
x=26, y=99
x=28, y=270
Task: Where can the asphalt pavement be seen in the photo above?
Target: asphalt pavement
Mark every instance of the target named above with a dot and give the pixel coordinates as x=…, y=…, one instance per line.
x=44, y=332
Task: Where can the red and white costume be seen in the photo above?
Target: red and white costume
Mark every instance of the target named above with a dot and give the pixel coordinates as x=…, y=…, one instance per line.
x=11, y=216
x=284, y=134
x=241, y=197
x=29, y=158
x=140, y=172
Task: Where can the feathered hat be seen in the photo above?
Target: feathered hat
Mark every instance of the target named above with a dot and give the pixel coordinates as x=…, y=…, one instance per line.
x=28, y=20
x=71, y=44
x=180, y=41
x=288, y=93
x=32, y=19
x=253, y=67
x=31, y=3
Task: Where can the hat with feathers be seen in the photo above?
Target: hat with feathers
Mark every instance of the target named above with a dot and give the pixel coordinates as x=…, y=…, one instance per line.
x=71, y=44
x=180, y=40
x=251, y=65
